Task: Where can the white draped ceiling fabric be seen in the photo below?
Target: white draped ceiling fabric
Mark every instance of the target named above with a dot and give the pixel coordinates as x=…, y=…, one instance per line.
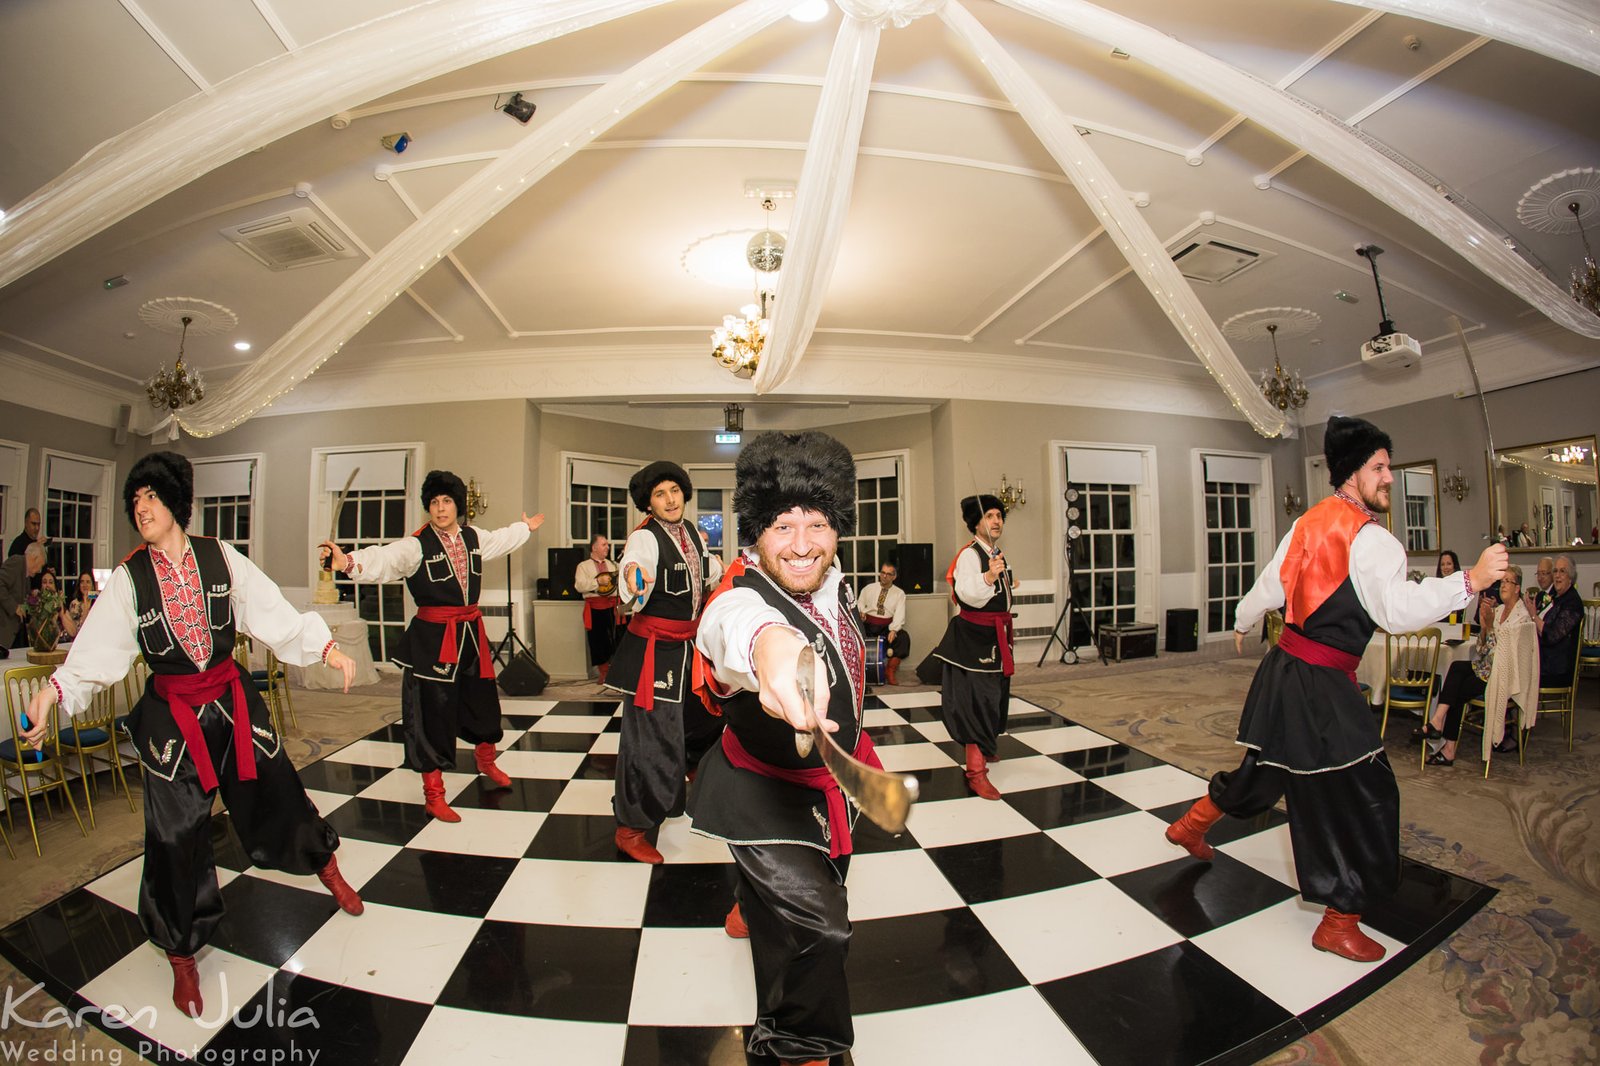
x=272, y=100
x=320, y=334
x=1568, y=30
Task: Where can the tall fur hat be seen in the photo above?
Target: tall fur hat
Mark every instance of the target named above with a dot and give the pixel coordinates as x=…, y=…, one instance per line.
x=644, y=482
x=1349, y=443
x=444, y=483
x=779, y=471
x=170, y=477
x=973, y=508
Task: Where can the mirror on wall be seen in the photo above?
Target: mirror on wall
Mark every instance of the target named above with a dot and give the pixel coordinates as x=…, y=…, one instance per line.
x=1414, y=506
x=1545, y=495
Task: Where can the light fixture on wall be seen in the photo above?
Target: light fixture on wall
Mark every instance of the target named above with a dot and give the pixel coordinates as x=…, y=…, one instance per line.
x=1291, y=503
x=1455, y=485
x=736, y=344
x=477, y=499
x=1286, y=392
x=1012, y=496
x=1585, y=278
x=518, y=108
x=179, y=387
x=733, y=418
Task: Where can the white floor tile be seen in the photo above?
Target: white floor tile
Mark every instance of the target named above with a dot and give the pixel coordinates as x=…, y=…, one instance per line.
x=890, y=883
x=510, y=705
x=507, y=738
x=453, y=1035
x=405, y=786
x=1111, y=846
x=903, y=758
x=933, y=732
x=880, y=717
x=677, y=842
x=120, y=886
x=1155, y=787
x=139, y=989
x=692, y=977
x=1268, y=851
x=1272, y=950
x=546, y=765
x=571, y=723
x=1070, y=930
x=327, y=802
x=585, y=797
x=371, y=753
x=553, y=892
x=482, y=832
x=961, y=821
x=1021, y=775
x=606, y=744
x=1067, y=738
x=393, y=951
x=909, y=699
x=1016, y=1026
x=358, y=861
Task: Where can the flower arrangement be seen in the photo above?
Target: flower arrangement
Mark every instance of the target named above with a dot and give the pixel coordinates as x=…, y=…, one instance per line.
x=44, y=619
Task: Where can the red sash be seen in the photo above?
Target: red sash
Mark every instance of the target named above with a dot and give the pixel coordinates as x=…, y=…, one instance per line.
x=185, y=692
x=650, y=627
x=1292, y=642
x=450, y=648
x=1000, y=621
x=876, y=620
x=818, y=778
x=597, y=603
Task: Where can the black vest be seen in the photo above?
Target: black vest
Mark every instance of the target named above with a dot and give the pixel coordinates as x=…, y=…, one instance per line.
x=968, y=645
x=1000, y=601
x=1340, y=621
x=434, y=584
x=672, y=596
x=157, y=642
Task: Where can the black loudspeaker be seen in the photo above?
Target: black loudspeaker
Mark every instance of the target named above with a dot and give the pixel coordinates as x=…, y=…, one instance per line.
x=1183, y=629
x=914, y=568
x=523, y=676
x=563, y=568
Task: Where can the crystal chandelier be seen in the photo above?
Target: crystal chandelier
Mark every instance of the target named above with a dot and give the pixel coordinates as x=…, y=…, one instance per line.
x=1585, y=279
x=179, y=387
x=736, y=344
x=1284, y=391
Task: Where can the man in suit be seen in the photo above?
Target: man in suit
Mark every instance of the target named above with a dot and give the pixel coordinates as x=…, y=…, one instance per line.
x=16, y=581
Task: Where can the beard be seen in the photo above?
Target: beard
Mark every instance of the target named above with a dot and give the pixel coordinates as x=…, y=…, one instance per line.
x=1377, y=501
x=772, y=566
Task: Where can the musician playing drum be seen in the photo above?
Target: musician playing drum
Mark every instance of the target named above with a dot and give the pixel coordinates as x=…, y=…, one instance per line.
x=883, y=615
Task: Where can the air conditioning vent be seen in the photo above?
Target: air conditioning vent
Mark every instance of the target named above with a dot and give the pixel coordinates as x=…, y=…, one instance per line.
x=1215, y=262
x=298, y=238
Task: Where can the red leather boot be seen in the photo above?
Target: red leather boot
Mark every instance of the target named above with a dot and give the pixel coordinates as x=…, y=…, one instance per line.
x=734, y=925
x=1189, y=832
x=433, y=797
x=343, y=894
x=484, y=753
x=1340, y=934
x=978, y=774
x=186, y=985
x=601, y=670
x=635, y=845
x=891, y=668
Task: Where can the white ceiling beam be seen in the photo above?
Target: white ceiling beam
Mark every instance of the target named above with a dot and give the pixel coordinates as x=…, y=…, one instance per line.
x=1566, y=30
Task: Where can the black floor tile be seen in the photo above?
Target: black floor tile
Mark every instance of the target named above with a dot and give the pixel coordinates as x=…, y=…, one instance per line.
x=940, y=783
x=393, y=733
x=383, y=821
x=596, y=768
x=690, y=894
x=867, y=838
x=547, y=971
x=1176, y=1005
x=920, y=959
x=1227, y=829
x=1109, y=759
x=299, y=1019
x=546, y=740
x=988, y=870
x=578, y=837
x=1196, y=897
x=346, y=777
x=604, y=708
x=525, y=794
x=511, y=721
x=441, y=881
x=268, y=922
x=74, y=939
x=1081, y=801
x=1426, y=897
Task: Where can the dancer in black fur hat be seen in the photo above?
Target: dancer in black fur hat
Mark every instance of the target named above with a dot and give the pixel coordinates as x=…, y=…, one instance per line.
x=447, y=687
x=977, y=644
x=667, y=570
x=1307, y=730
x=199, y=729
x=781, y=813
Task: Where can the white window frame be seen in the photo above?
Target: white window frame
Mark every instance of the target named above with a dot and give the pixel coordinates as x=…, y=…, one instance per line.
x=257, y=512
x=719, y=477
x=109, y=501
x=16, y=496
x=567, y=460
x=902, y=456
x=1263, y=502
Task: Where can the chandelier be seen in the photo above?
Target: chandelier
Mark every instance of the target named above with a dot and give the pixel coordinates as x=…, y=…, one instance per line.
x=1585, y=279
x=1284, y=391
x=179, y=387
x=736, y=344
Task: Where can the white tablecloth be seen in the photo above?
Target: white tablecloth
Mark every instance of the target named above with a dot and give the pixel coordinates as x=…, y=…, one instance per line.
x=350, y=630
x=1373, y=663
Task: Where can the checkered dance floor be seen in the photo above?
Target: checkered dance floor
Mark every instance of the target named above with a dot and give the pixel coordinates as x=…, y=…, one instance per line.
x=1056, y=926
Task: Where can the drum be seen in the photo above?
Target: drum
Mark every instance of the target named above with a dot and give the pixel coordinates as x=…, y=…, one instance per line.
x=877, y=660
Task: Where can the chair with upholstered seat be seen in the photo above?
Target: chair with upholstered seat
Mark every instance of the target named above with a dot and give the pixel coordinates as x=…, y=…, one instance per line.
x=94, y=736
x=1561, y=700
x=1411, y=672
x=39, y=768
x=1589, y=649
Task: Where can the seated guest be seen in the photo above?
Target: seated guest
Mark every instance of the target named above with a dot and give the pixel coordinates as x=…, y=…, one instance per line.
x=16, y=581
x=1468, y=680
x=883, y=614
x=1541, y=593
x=1523, y=537
x=1449, y=563
x=77, y=608
x=1560, y=626
x=596, y=581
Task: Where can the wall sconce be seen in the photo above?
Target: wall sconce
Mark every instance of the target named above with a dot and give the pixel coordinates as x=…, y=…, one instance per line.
x=1011, y=495
x=1455, y=485
x=1291, y=503
x=477, y=499
x=733, y=418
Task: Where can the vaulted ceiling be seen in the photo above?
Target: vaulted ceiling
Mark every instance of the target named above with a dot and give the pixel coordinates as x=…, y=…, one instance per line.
x=948, y=249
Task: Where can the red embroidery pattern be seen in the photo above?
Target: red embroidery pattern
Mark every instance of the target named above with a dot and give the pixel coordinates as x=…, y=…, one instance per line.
x=681, y=535
x=850, y=646
x=183, y=599
x=455, y=546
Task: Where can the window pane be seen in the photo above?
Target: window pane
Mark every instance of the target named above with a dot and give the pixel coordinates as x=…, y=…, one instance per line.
x=889, y=517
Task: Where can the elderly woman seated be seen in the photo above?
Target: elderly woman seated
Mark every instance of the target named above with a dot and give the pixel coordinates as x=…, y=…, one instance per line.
x=1468, y=680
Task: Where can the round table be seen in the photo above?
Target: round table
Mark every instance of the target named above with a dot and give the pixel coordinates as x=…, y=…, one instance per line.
x=350, y=630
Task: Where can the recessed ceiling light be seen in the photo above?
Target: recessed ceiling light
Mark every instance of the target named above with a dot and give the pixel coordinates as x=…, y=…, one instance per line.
x=241, y=346
x=1346, y=297
x=809, y=11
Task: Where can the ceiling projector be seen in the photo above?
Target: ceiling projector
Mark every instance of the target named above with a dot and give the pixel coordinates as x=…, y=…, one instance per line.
x=1391, y=351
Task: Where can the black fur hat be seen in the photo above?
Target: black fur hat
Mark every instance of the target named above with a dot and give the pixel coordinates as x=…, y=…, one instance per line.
x=1349, y=443
x=170, y=477
x=444, y=483
x=644, y=482
x=973, y=508
x=779, y=471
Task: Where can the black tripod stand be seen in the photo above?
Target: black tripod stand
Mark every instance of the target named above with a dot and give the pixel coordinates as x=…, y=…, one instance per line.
x=510, y=644
x=1070, y=609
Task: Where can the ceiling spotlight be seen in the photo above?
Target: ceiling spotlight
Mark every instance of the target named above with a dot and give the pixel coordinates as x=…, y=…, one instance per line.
x=809, y=11
x=518, y=108
x=241, y=346
x=396, y=142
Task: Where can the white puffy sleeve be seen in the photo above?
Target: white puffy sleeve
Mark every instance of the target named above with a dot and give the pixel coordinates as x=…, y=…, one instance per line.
x=260, y=610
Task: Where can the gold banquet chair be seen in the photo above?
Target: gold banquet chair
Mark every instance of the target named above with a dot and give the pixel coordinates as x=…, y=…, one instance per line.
x=1411, y=671
x=1589, y=650
x=95, y=736
x=40, y=769
x=1560, y=700
x=261, y=679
